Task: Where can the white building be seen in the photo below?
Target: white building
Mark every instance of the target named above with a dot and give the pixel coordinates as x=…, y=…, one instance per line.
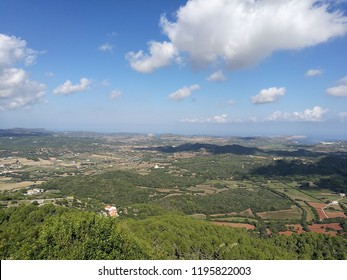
x=34, y=191
x=111, y=210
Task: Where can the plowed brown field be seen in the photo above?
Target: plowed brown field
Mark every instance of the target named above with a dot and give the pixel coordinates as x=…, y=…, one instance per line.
x=322, y=228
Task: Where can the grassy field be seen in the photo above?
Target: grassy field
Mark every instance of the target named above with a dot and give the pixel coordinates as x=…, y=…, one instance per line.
x=310, y=215
x=6, y=184
x=291, y=214
x=324, y=195
x=294, y=192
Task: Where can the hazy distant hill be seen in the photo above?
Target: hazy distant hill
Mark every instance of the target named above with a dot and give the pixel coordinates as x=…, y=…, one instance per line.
x=20, y=132
x=214, y=149
x=233, y=149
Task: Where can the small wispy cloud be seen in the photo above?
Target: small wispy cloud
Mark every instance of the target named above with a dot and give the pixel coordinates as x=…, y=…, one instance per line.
x=106, y=47
x=268, y=95
x=111, y=34
x=115, y=94
x=223, y=118
x=231, y=102
x=161, y=54
x=183, y=92
x=218, y=119
x=340, y=89
x=68, y=88
x=105, y=83
x=49, y=74
x=309, y=115
x=192, y=120
x=216, y=77
x=343, y=116
x=314, y=72
x=316, y=114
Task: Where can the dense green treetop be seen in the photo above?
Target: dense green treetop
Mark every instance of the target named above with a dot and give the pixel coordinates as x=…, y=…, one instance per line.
x=50, y=232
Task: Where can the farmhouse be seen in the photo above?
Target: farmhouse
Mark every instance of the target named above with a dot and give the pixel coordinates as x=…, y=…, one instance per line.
x=34, y=191
x=111, y=211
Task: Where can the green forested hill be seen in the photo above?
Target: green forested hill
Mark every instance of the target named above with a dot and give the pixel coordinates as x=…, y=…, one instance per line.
x=50, y=232
x=118, y=187
x=238, y=200
x=121, y=188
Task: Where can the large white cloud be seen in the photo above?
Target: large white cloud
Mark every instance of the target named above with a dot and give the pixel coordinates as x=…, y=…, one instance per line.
x=69, y=88
x=340, y=89
x=183, y=92
x=243, y=32
x=309, y=115
x=161, y=54
x=268, y=95
x=16, y=88
x=13, y=49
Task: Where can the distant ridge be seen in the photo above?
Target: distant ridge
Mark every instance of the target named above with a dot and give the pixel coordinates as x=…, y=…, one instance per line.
x=20, y=132
x=232, y=149
x=215, y=149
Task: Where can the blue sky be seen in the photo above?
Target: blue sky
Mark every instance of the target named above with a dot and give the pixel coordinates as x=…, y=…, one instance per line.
x=237, y=67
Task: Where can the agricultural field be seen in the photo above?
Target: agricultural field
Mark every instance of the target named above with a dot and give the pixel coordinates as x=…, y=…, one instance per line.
x=293, y=213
